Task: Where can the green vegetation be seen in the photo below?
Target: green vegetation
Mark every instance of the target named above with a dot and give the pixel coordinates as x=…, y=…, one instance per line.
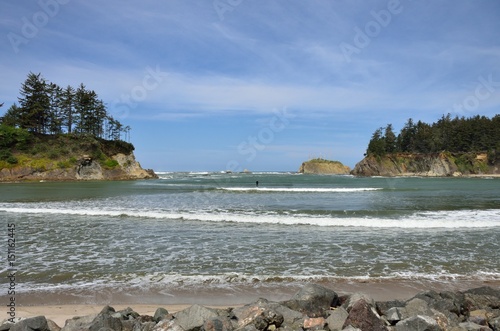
x=320, y=160
x=54, y=127
x=46, y=108
x=457, y=135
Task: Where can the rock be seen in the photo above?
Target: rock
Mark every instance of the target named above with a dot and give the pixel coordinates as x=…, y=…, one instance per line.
x=105, y=320
x=38, y=323
x=419, y=322
x=78, y=323
x=337, y=319
x=194, y=317
x=314, y=323
x=52, y=326
x=395, y=314
x=218, y=324
x=364, y=317
x=416, y=307
x=355, y=297
x=160, y=313
x=479, y=316
x=469, y=326
x=384, y=306
x=322, y=166
x=313, y=300
x=418, y=164
x=263, y=314
x=167, y=325
x=482, y=297
x=495, y=324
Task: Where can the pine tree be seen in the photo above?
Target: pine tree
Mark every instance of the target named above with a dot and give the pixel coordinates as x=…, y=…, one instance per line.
x=390, y=139
x=34, y=104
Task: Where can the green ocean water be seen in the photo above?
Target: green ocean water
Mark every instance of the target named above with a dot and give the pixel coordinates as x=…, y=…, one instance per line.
x=216, y=230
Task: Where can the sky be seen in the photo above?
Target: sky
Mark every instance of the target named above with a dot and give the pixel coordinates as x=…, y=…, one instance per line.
x=263, y=85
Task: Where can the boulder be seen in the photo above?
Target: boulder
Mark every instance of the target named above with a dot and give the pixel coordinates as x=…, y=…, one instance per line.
x=38, y=323
x=363, y=316
x=495, y=324
x=416, y=307
x=314, y=323
x=263, y=314
x=482, y=297
x=313, y=300
x=194, y=317
x=218, y=324
x=469, y=326
x=479, y=316
x=160, y=313
x=337, y=319
x=419, y=322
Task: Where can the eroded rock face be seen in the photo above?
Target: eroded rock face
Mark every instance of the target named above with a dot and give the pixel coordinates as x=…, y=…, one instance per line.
x=324, y=167
x=86, y=168
x=429, y=165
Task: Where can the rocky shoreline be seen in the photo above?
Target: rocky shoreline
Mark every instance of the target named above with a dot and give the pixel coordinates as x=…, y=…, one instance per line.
x=125, y=167
x=312, y=308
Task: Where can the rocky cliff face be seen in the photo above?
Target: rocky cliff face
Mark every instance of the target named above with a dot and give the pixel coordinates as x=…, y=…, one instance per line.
x=125, y=168
x=430, y=165
x=319, y=166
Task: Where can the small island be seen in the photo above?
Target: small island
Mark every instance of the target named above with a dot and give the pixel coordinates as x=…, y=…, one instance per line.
x=64, y=134
x=325, y=167
x=449, y=147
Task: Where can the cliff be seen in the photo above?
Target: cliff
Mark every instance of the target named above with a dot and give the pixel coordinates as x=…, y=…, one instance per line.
x=69, y=157
x=430, y=165
x=321, y=166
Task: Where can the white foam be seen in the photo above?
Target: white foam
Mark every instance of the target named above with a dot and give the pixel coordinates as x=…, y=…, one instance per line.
x=420, y=220
x=299, y=189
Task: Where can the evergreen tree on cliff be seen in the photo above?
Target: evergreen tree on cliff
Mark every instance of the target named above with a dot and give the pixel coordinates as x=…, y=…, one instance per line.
x=46, y=108
x=34, y=104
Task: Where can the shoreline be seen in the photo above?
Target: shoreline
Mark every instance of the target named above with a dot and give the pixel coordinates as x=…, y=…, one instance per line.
x=60, y=308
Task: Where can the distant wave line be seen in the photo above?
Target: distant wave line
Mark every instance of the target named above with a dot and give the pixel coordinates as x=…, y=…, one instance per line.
x=299, y=189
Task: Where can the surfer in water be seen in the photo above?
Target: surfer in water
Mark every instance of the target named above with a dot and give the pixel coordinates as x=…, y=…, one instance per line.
x=257, y=184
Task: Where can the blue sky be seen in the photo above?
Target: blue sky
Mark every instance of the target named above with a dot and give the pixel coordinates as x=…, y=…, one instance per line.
x=259, y=85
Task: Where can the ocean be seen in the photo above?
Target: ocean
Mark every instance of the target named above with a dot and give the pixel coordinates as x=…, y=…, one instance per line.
x=217, y=236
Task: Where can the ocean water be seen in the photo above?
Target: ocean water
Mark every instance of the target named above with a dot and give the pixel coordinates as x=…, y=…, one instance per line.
x=216, y=234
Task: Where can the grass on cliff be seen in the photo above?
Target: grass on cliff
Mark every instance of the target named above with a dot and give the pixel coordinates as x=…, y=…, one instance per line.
x=320, y=160
x=19, y=147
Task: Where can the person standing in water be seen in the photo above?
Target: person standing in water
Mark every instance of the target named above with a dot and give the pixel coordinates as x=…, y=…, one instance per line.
x=257, y=184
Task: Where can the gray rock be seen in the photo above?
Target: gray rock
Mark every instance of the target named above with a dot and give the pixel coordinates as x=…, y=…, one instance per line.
x=167, y=325
x=482, y=297
x=469, y=326
x=420, y=323
x=479, y=316
x=194, y=317
x=52, y=326
x=495, y=324
x=363, y=316
x=355, y=297
x=159, y=314
x=395, y=314
x=263, y=314
x=351, y=328
x=313, y=300
x=106, y=321
x=38, y=323
x=417, y=306
x=384, y=306
x=218, y=324
x=337, y=319
x=78, y=323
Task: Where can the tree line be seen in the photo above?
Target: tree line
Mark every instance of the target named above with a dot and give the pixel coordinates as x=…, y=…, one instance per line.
x=455, y=135
x=46, y=108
